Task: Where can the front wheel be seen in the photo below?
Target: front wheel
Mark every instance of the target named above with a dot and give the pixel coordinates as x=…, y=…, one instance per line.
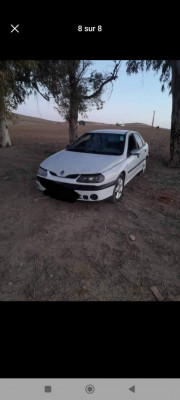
x=118, y=190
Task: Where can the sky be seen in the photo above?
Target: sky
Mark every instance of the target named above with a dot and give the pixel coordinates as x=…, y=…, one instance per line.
x=134, y=98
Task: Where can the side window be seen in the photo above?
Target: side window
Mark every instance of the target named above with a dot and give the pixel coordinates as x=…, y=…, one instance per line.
x=138, y=140
x=131, y=144
x=143, y=142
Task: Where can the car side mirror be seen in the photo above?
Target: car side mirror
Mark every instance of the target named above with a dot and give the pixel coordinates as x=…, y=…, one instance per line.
x=135, y=152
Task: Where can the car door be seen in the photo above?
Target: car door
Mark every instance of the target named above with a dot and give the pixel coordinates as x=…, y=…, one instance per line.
x=142, y=148
x=132, y=160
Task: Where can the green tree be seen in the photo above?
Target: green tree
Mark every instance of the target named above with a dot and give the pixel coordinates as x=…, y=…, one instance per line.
x=17, y=80
x=170, y=76
x=74, y=88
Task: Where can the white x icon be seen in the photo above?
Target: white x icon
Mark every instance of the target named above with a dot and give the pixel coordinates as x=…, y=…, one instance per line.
x=14, y=28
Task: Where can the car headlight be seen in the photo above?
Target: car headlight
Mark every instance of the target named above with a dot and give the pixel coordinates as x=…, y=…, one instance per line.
x=91, y=178
x=42, y=171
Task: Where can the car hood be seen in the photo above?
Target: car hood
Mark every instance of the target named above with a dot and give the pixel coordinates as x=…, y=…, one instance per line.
x=79, y=163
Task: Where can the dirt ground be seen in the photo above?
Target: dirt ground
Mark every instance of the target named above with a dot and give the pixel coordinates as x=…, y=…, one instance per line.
x=56, y=250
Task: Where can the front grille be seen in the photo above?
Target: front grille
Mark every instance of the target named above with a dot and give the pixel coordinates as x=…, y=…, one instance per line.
x=53, y=173
x=72, y=176
x=59, y=190
x=67, y=176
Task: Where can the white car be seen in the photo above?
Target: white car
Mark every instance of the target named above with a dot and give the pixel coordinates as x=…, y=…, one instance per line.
x=96, y=166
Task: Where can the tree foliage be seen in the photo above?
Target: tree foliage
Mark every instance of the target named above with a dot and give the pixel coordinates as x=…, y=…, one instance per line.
x=75, y=87
x=68, y=82
x=134, y=66
x=16, y=82
x=170, y=76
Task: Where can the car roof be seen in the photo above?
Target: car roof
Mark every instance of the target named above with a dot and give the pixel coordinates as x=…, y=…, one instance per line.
x=118, y=131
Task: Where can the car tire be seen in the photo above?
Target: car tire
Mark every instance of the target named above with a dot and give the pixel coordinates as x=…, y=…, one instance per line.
x=118, y=190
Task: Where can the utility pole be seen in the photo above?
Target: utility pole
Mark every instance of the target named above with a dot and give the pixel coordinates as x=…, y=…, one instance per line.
x=153, y=118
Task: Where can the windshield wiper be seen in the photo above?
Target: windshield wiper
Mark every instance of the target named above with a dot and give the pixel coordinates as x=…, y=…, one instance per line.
x=83, y=150
x=75, y=150
x=92, y=151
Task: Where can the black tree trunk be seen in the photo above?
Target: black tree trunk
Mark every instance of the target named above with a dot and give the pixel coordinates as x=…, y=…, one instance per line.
x=73, y=105
x=175, y=119
x=73, y=124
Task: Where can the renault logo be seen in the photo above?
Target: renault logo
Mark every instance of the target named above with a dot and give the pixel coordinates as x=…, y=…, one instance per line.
x=62, y=172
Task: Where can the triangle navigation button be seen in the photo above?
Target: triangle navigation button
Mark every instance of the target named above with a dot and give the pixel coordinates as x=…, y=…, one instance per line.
x=132, y=389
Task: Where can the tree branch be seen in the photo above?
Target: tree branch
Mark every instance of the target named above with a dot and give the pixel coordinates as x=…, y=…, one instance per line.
x=45, y=96
x=112, y=77
x=85, y=64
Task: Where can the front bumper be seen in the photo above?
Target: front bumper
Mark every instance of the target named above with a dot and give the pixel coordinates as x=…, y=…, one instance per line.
x=76, y=191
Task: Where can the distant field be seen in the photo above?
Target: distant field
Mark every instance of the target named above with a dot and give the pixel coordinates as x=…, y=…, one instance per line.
x=35, y=129
x=24, y=119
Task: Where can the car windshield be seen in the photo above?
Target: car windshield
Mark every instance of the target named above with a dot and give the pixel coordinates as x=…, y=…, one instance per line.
x=99, y=143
